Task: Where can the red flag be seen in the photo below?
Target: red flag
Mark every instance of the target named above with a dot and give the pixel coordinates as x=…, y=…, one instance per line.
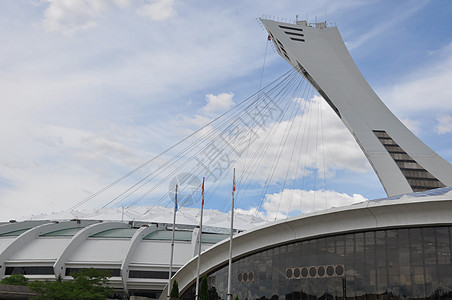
x=233, y=182
x=203, y=191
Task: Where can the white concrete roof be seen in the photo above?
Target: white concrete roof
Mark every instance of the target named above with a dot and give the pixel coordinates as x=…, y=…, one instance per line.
x=101, y=250
x=38, y=249
x=51, y=247
x=157, y=214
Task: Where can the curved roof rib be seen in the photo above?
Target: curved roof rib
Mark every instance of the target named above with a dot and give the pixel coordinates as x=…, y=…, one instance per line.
x=59, y=267
x=26, y=237
x=370, y=215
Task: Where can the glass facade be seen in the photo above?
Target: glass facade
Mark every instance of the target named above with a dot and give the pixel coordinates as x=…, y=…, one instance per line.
x=403, y=263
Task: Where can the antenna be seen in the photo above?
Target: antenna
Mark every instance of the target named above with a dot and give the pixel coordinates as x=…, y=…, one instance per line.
x=325, y=15
x=296, y=18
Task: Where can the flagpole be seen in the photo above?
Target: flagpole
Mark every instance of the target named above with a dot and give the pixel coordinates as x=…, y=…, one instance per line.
x=172, y=246
x=199, y=243
x=229, y=296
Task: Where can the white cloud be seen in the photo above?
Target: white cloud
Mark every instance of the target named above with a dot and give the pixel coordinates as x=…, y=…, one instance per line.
x=217, y=103
x=291, y=202
x=287, y=202
x=444, y=124
x=316, y=140
x=71, y=16
x=158, y=10
x=190, y=123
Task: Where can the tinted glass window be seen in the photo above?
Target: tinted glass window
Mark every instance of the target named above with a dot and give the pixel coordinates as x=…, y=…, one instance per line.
x=403, y=263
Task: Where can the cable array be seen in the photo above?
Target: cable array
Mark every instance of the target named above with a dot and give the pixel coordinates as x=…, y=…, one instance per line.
x=264, y=137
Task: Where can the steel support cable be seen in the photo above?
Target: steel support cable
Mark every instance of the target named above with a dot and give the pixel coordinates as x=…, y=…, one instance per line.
x=258, y=155
x=291, y=156
x=259, y=127
x=260, y=84
x=164, y=152
x=224, y=175
x=281, y=149
x=246, y=164
x=134, y=170
x=253, y=168
x=275, y=102
x=262, y=198
x=172, y=173
x=303, y=119
x=324, y=157
x=216, y=186
x=294, y=114
x=188, y=148
x=196, y=171
x=306, y=154
x=278, y=155
x=146, y=193
x=249, y=163
x=263, y=65
x=264, y=144
x=316, y=168
x=219, y=134
x=144, y=181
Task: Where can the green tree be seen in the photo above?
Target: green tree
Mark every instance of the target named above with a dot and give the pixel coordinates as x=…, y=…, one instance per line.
x=15, y=279
x=87, y=284
x=57, y=290
x=204, y=289
x=174, y=295
x=237, y=297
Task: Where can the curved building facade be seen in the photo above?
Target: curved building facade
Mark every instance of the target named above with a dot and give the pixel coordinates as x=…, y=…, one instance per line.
x=385, y=249
x=391, y=263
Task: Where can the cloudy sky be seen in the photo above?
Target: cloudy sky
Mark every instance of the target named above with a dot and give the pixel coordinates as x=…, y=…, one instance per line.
x=92, y=89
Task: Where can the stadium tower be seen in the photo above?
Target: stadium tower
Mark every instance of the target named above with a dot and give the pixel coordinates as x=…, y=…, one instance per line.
x=403, y=163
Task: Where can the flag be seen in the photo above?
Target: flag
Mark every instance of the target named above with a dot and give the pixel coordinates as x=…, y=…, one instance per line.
x=233, y=182
x=175, y=200
x=203, y=191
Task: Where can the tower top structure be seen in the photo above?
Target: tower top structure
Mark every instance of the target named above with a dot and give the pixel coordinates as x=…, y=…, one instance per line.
x=402, y=162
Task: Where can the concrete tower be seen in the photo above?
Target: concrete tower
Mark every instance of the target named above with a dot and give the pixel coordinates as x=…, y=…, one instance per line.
x=403, y=163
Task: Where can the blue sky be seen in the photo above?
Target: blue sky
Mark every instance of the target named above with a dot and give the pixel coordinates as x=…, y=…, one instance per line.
x=91, y=89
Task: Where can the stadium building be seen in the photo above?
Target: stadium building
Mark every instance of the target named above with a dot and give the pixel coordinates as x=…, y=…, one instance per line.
x=135, y=253
x=394, y=248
